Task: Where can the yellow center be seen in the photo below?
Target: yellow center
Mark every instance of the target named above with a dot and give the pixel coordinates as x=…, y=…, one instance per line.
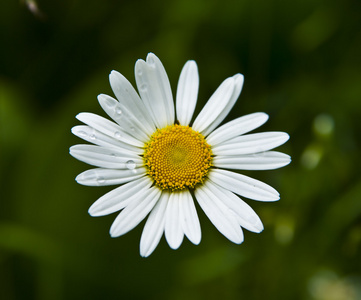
x=177, y=157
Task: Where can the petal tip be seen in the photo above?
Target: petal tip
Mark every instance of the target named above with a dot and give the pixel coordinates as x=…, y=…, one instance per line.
x=79, y=179
x=151, y=56
x=144, y=252
x=196, y=241
x=112, y=76
x=92, y=211
x=112, y=233
x=264, y=115
x=239, y=77
x=191, y=63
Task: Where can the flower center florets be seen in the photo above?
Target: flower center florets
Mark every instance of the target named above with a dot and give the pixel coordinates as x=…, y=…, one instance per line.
x=177, y=157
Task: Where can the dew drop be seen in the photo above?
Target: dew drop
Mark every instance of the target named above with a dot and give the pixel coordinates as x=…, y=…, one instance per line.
x=143, y=87
x=118, y=111
x=117, y=135
x=130, y=164
x=92, y=136
x=100, y=180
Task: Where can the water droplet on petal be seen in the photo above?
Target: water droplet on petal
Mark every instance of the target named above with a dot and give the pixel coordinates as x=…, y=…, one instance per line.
x=117, y=135
x=117, y=110
x=92, y=136
x=100, y=180
x=130, y=164
x=143, y=87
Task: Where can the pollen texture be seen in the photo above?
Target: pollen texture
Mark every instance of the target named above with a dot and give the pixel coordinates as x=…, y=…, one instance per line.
x=177, y=157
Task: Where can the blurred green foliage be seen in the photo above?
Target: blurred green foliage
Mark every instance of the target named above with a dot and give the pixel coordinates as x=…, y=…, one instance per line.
x=301, y=61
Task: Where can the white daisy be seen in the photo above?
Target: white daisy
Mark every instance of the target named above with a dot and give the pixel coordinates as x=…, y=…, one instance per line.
x=162, y=163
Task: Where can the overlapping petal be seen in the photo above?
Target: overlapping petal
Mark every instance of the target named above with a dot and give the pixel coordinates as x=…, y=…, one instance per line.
x=108, y=128
x=154, y=88
x=96, y=137
x=106, y=157
x=154, y=227
x=245, y=215
x=215, y=105
x=100, y=177
x=135, y=212
x=251, y=143
x=124, y=117
x=189, y=218
x=127, y=95
x=219, y=214
x=223, y=112
x=237, y=127
x=120, y=197
x=243, y=185
x=258, y=161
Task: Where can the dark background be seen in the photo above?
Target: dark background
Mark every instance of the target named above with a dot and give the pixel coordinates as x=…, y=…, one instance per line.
x=301, y=61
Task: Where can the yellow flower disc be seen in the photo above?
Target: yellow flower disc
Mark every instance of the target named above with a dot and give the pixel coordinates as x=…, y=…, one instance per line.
x=177, y=157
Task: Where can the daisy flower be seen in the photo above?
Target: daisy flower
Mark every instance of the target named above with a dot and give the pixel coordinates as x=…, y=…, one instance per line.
x=163, y=162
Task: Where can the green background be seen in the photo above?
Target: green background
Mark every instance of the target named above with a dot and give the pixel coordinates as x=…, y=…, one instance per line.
x=301, y=60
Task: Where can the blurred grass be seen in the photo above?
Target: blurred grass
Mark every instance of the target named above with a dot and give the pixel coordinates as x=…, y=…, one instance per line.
x=301, y=61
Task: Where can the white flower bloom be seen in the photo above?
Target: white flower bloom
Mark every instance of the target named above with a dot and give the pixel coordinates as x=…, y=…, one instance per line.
x=162, y=163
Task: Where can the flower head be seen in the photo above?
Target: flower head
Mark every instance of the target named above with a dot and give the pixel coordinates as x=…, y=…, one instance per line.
x=162, y=163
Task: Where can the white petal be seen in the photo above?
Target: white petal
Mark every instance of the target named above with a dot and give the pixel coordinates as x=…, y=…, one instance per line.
x=189, y=218
x=187, y=92
x=135, y=212
x=154, y=89
x=237, y=127
x=251, y=143
x=243, y=185
x=109, y=128
x=258, y=161
x=154, y=227
x=245, y=215
x=91, y=135
x=173, y=228
x=127, y=95
x=238, y=84
x=219, y=214
x=125, y=118
x=120, y=197
x=100, y=177
x=214, y=106
x=106, y=157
